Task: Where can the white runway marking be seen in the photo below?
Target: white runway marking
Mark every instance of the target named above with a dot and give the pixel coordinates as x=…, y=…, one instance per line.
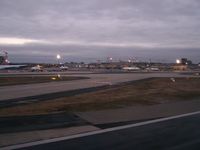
x=97, y=132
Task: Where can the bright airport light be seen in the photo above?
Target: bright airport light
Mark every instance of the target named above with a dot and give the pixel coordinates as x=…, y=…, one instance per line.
x=178, y=61
x=58, y=56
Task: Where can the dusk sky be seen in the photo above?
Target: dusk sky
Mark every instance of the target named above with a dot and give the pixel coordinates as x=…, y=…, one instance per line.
x=87, y=30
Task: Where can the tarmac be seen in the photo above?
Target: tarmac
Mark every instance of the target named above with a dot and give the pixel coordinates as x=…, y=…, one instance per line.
x=139, y=112
x=99, y=120
x=19, y=91
x=7, y=139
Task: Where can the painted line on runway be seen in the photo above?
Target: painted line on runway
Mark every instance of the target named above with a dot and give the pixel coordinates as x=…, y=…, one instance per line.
x=96, y=132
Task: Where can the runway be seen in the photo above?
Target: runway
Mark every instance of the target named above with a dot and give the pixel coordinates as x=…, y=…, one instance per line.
x=19, y=91
x=174, y=133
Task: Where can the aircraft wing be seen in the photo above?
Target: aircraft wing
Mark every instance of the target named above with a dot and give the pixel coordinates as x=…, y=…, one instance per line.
x=10, y=66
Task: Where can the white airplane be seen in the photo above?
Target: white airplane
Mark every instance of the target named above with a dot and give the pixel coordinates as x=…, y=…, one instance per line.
x=4, y=62
x=153, y=69
x=10, y=66
x=64, y=68
x=37, y=68
x=131, y=68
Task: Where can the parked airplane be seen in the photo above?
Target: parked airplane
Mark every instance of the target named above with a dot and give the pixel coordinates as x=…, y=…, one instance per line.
x=4, y=62
x=152, y=69
x=64, y=68
x=37, y=68
x=131, y=68
x=11, y=66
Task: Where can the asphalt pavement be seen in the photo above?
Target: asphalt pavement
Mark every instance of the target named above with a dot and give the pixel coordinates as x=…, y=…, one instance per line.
x=179, y=133
x=16, y=124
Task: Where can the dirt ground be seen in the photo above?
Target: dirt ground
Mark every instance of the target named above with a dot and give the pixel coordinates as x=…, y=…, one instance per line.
x=147, y=92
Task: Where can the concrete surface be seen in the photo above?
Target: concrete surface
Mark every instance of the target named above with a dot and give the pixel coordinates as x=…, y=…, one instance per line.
x=14, y=124
x=23, y=137
x=140, y=112
x=134, y=113
x=17, y=91
x=98, y=117
x=173, y=133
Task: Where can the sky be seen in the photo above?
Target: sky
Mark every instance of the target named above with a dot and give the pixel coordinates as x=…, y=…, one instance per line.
x=90, y=30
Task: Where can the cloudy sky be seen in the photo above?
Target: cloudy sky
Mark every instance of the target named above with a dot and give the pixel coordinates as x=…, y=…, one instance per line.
x=86, y=30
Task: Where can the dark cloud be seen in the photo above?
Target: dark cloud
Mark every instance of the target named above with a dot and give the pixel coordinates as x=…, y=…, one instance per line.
x=97, y=28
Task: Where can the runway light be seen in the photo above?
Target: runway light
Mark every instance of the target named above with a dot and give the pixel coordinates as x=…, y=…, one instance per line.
x=59, y=76
x=172, y=79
